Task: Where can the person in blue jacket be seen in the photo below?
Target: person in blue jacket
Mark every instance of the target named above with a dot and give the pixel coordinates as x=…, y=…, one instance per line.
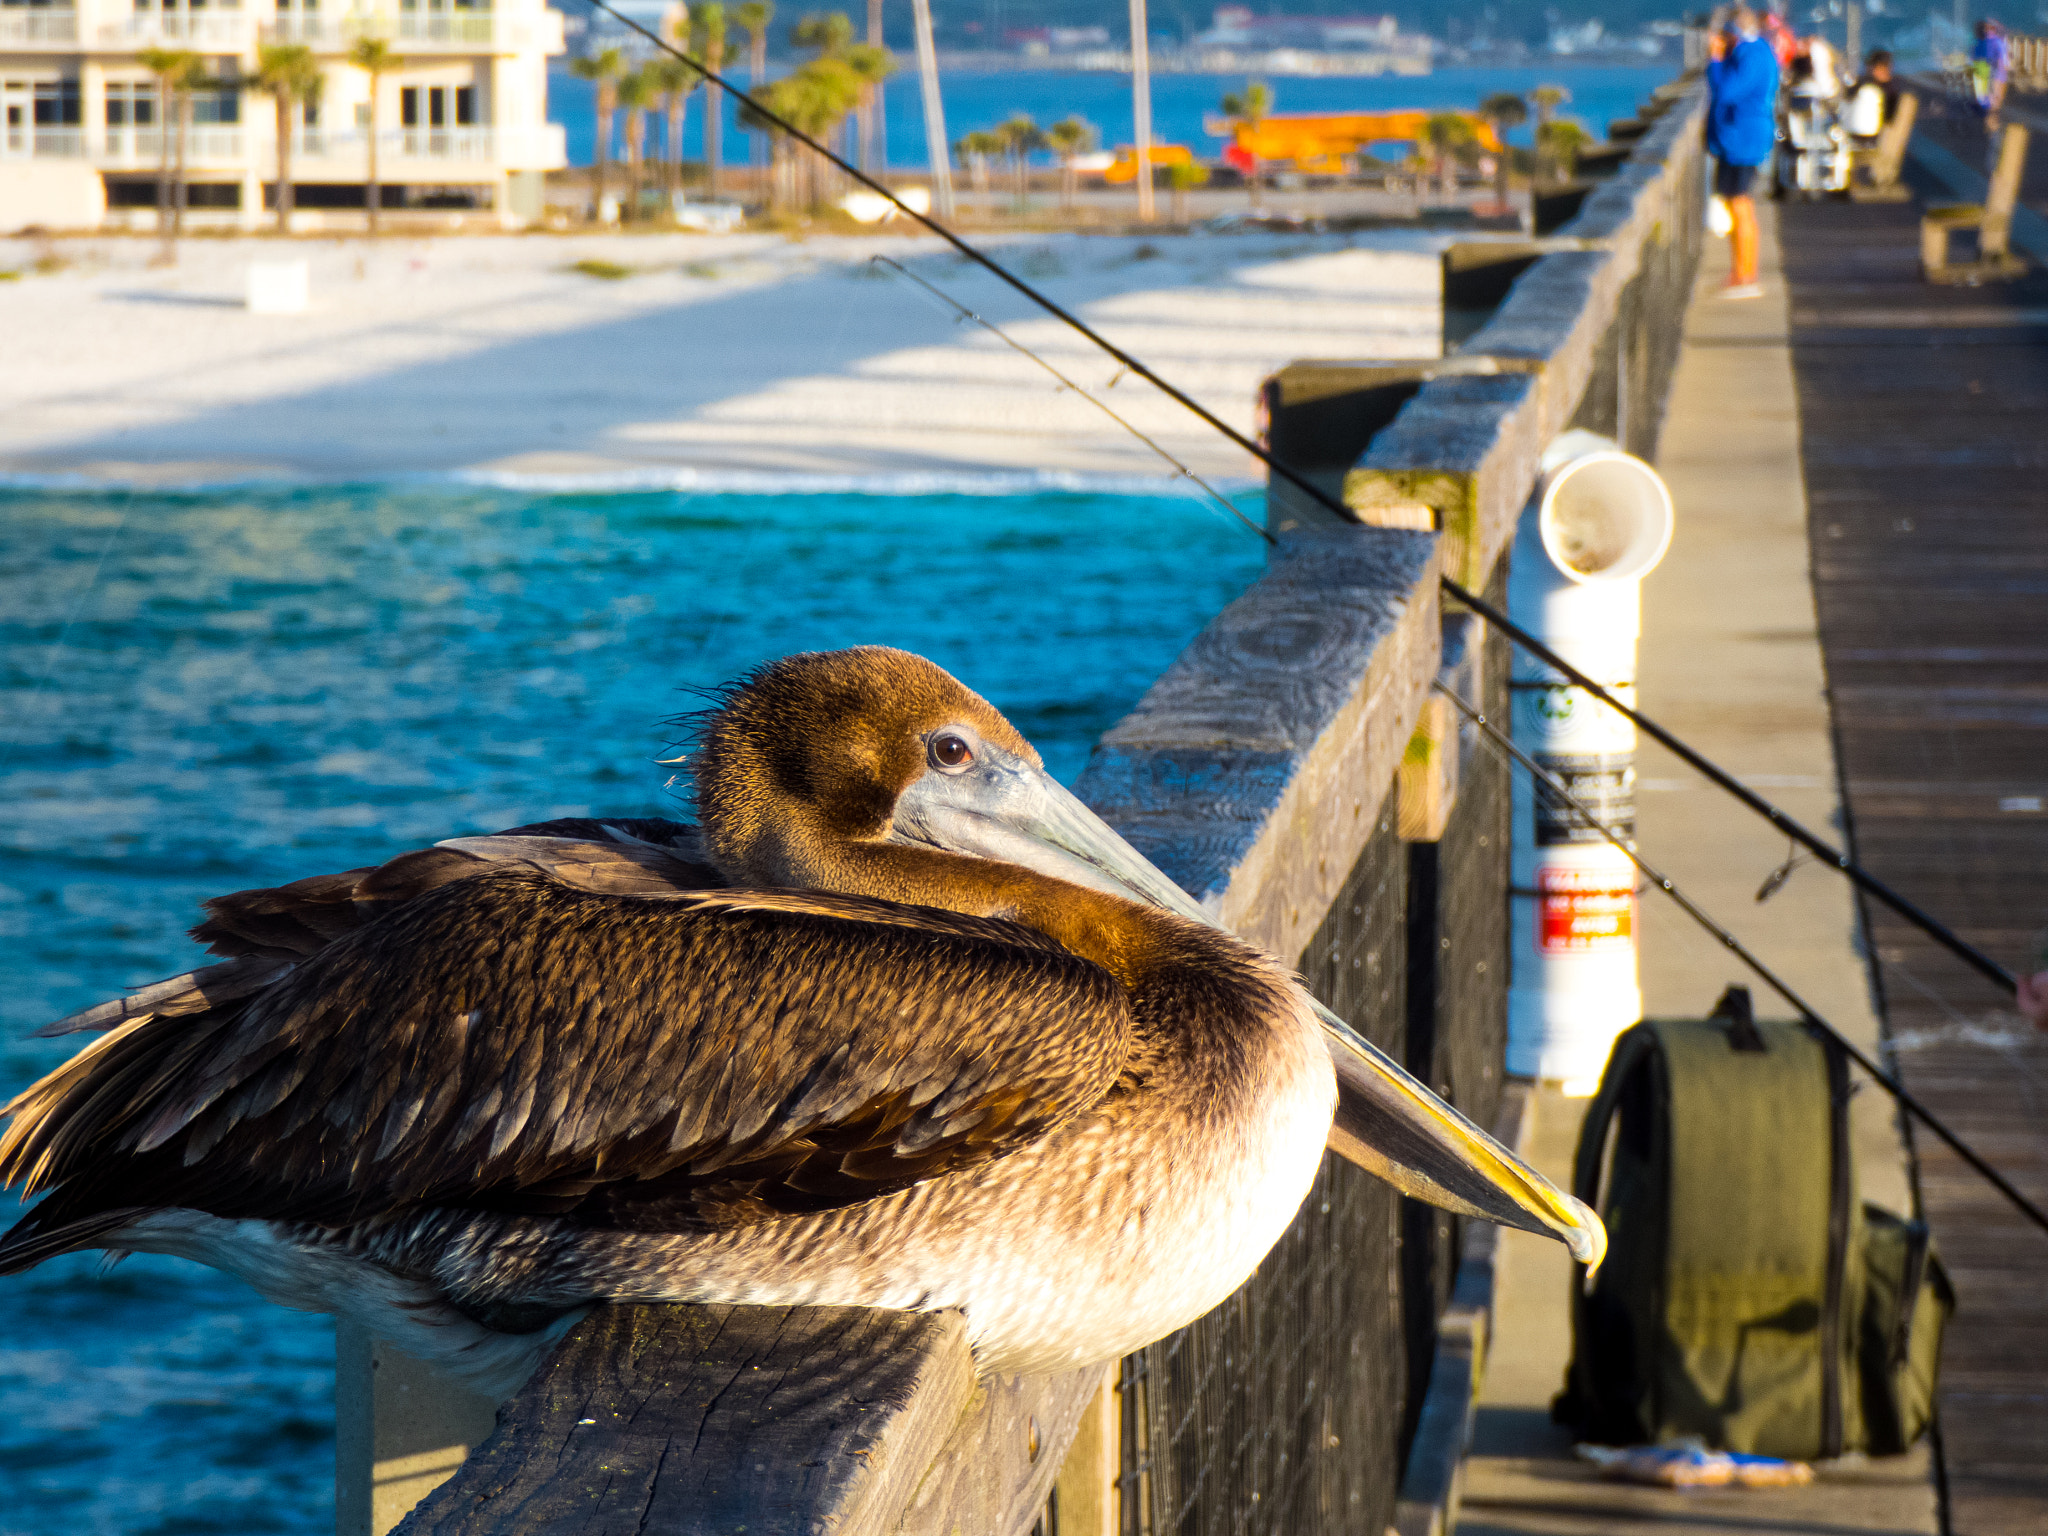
x=1742, y=125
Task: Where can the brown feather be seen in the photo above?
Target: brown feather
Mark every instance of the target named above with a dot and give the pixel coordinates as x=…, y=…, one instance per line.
x=730, y=1074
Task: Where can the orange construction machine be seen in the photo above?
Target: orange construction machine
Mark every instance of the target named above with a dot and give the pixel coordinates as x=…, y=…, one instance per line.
x=1325, y=143
x=1124, y=167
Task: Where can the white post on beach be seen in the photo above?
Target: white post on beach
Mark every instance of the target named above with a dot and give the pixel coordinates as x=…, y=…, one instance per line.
x=1141, y=107
x=935, y=147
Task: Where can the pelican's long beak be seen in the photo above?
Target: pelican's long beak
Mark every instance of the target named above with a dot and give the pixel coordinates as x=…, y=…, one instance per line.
x=1387, y=1122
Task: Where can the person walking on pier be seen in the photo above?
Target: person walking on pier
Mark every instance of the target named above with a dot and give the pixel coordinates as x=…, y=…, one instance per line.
x=1742, y=90
x=1990, y=71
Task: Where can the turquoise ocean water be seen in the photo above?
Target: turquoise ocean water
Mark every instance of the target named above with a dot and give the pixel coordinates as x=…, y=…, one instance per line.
x=1600, y=93
x=201, y=692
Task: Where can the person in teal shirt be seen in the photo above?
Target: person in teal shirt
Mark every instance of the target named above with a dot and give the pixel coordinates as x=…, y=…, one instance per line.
x=1742, y=128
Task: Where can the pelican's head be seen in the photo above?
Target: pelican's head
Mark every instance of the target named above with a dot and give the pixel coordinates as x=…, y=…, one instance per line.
x=815, y=753
x=873, y=772
x=818, y=759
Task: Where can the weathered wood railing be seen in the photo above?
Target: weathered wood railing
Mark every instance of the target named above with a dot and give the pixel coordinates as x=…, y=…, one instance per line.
x=1260, y=771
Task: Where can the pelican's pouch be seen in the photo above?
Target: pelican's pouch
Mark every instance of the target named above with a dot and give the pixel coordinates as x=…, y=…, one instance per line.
x=1748, y=1297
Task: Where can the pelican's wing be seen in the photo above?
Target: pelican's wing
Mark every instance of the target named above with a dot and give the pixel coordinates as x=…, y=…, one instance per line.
x=639, y=857
x=265, y=932
x=508, y=1042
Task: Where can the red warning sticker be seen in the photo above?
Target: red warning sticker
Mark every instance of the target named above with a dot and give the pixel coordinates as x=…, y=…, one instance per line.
x=1583, y=909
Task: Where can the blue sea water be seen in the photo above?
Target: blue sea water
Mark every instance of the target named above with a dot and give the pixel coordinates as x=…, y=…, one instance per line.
x=1600, y=94
x=201, y=692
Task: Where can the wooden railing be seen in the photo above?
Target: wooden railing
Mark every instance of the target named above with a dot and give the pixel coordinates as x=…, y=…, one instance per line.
x=1260, y=773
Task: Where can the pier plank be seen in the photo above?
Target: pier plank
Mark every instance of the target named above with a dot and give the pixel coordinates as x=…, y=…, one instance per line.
x=1924, y=463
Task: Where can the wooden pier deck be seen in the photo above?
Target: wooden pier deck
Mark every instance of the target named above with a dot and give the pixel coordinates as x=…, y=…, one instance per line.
x=1925, y=449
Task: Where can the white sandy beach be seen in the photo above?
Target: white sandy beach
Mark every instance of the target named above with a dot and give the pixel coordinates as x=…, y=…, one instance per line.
x=720, y=357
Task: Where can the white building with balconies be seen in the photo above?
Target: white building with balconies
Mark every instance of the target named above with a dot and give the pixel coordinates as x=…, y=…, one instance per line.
x=461, y=117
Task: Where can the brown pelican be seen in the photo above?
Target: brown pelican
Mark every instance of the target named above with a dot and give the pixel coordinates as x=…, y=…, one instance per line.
x=899, y=1024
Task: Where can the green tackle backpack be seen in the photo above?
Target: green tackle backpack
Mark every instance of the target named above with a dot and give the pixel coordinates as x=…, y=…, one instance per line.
x=1748, y=1297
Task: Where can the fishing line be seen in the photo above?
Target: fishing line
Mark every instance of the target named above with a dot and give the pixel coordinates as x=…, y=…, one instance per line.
x=1975, y=958
x=1550, y=784
x=961, y=311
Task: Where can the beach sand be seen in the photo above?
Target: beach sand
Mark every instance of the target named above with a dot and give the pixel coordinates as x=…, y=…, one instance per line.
x=720, y=359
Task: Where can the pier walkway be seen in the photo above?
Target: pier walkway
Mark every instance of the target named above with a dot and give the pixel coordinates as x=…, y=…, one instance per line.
x=1730, y=658
x=1926, y=469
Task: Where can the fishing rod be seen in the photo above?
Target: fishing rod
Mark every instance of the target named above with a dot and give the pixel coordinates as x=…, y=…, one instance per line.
x=1870, y=884
x=1550, y=784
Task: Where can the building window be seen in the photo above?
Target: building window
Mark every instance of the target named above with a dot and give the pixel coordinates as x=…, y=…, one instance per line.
x=465, y=106
x=131, y=104
x=409, y=107
x=216, y=108
x=56, y=104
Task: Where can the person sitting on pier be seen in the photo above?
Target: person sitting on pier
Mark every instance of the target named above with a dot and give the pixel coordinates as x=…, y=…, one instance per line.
x=1874, y=99
x=1742, y=87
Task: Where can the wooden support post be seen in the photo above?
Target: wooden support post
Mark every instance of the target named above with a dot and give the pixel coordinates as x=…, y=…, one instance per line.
x=400, y=1431
x=1477, y=276
x=1085, y=1493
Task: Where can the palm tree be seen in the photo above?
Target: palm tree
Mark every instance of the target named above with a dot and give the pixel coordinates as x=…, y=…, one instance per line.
x=636, y=93
x=1505, y=110
x=1020, y=138
x=871, y=66
x=176, y=71
x=290, y=75
x=373, y=56
x=814, y=99
x=1184, y=177
x=1069, y=138
x=1548, y=98
x=1251, y=107
x=817, y=97
x=1448, y=134
x=673, y=80
x=752, y=17
x=976, y=150
x=829, y=32
x=707, y=31
x=1558, y=144
x=603, y=69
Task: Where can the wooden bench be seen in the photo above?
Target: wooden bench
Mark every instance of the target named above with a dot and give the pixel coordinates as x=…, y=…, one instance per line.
x=1876, y=172
x=1991, y=219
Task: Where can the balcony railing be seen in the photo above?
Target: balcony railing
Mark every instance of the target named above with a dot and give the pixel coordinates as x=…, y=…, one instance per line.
x=21, y=25
x=319, y=31
x=539, y=148
x=467, y=29
x=145, y=146
x=219, y=29
x=63, y=143
x=447, y=143
x=455, y=29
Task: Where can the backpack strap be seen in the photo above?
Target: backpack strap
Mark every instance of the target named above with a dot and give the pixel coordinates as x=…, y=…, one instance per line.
x=1629, y=1050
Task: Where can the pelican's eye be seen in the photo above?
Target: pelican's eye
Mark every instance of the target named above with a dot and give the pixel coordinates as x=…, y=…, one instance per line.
x=950, y=751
